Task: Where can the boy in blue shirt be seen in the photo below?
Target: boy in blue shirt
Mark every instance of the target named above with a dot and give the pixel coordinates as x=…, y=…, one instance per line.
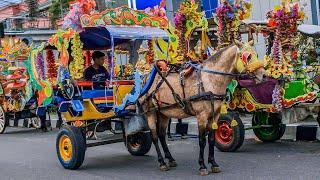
x=97, y=72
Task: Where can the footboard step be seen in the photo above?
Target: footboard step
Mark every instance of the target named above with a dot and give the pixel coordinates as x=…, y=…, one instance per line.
x=307, y=132
x=302, y=132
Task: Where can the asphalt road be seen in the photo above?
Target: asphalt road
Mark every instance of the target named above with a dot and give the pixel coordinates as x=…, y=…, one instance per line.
x=29, y=154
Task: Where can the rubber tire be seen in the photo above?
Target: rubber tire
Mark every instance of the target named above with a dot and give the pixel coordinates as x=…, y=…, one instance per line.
x=275, y=119
x=79, y=146
x=4, y=120
x=238, y=134
x=144, y=146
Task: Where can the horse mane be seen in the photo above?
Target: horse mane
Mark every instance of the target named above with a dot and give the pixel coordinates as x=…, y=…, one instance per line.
x=218, y=54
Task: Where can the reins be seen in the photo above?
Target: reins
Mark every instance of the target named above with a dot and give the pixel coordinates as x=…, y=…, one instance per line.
x=200, y=68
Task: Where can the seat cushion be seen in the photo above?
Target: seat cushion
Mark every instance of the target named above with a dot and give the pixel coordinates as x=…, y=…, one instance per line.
x=262, y=92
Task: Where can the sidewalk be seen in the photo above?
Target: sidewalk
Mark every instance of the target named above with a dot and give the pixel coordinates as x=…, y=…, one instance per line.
x=290, y=133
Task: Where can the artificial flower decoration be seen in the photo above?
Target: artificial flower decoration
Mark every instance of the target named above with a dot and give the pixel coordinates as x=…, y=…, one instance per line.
x=186, y=20
x=149, y=56
x=87, y=56
x=77, y=9
x=128, y=70
x=77, y=64
x=117, y=70
x=141, y=66
x=61, y=41
x=228, y=18
x=284, y=19
x=40, y=66
x=157, y=11
x=14, y=49
x=51, y=66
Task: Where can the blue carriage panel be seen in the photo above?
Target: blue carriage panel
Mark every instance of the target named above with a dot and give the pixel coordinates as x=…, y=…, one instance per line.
x=77, y=105
x=41, y=111
x=64, y=106
x=90, y=94
x=137, y=91
x=149, y=82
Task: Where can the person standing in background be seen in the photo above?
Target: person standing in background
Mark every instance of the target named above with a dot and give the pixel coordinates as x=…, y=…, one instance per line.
x=179, y=130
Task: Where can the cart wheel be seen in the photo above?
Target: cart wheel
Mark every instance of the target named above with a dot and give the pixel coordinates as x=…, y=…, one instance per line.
x=36, y=122
x=71, y=147
x=3, y=123
x=228, y=138
x=268, y=134
x=139, y=144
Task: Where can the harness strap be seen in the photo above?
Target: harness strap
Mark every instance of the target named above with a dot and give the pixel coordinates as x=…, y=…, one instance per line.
x=206, y=96
x=176, y=96
x=188, y=107
x=200, y=68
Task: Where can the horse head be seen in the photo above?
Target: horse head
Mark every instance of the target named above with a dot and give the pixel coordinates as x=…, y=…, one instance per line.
x=247, y=60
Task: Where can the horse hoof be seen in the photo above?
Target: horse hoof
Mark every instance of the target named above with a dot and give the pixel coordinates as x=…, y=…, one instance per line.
x=204, y=172
x=164, y=167
x=173, y=164
x=215, y=169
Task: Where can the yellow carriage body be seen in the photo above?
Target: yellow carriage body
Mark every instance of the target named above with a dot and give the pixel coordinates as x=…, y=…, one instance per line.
x=91, y=112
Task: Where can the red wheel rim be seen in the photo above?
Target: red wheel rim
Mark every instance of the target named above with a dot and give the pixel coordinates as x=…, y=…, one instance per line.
x=224, y=133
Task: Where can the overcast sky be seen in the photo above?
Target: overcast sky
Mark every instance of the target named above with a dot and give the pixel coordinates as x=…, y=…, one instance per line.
x=6, y=2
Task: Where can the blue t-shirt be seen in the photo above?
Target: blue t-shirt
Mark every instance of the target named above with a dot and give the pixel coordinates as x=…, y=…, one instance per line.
x=98, y=76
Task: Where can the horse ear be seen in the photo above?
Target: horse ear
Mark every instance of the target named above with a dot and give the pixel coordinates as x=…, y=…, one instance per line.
x=238, y=43
x=251, y=43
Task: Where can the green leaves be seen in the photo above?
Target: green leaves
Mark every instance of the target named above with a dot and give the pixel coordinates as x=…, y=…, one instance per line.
x=57, y=10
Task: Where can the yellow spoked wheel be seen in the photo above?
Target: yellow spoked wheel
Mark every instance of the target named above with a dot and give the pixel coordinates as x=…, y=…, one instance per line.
x=65, y=148
x=71, y=147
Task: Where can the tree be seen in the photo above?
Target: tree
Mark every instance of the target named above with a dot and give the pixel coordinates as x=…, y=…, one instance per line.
x=33, y=8
x=57, y=10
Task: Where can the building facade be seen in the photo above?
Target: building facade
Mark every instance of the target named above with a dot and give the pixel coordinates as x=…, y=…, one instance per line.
x=15, y=17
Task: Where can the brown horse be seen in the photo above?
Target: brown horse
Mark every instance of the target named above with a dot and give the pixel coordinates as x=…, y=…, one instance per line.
x=229, y=60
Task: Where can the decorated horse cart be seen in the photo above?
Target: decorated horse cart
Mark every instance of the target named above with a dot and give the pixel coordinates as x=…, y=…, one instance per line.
x=288, y=84
x=164, y=79
x=17, y=97
x=88, y=110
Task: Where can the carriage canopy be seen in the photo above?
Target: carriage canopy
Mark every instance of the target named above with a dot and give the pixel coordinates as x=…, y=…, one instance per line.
x=101, y=37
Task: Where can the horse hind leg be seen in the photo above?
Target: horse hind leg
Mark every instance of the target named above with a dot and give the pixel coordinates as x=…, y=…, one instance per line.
x=162, y=126
x=153, y=128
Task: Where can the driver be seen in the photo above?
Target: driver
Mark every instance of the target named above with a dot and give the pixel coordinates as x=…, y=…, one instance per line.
x=97, y=72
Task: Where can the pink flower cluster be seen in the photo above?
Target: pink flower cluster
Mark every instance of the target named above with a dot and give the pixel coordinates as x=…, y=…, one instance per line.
x=40, y=66
x=285, y=18
x=179, y=20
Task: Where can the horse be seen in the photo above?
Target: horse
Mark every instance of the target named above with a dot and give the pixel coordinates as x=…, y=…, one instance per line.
x=211, y=79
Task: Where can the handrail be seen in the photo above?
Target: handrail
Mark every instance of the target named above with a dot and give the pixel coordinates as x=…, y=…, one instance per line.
x=107, y=83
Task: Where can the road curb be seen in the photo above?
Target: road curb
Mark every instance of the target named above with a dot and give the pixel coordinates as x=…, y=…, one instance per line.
x=297, y=131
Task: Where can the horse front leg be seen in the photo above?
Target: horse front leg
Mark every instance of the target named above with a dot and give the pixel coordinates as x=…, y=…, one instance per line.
x=202, y=144
x=163, y=122
x=211, y=141
x=152, y=123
